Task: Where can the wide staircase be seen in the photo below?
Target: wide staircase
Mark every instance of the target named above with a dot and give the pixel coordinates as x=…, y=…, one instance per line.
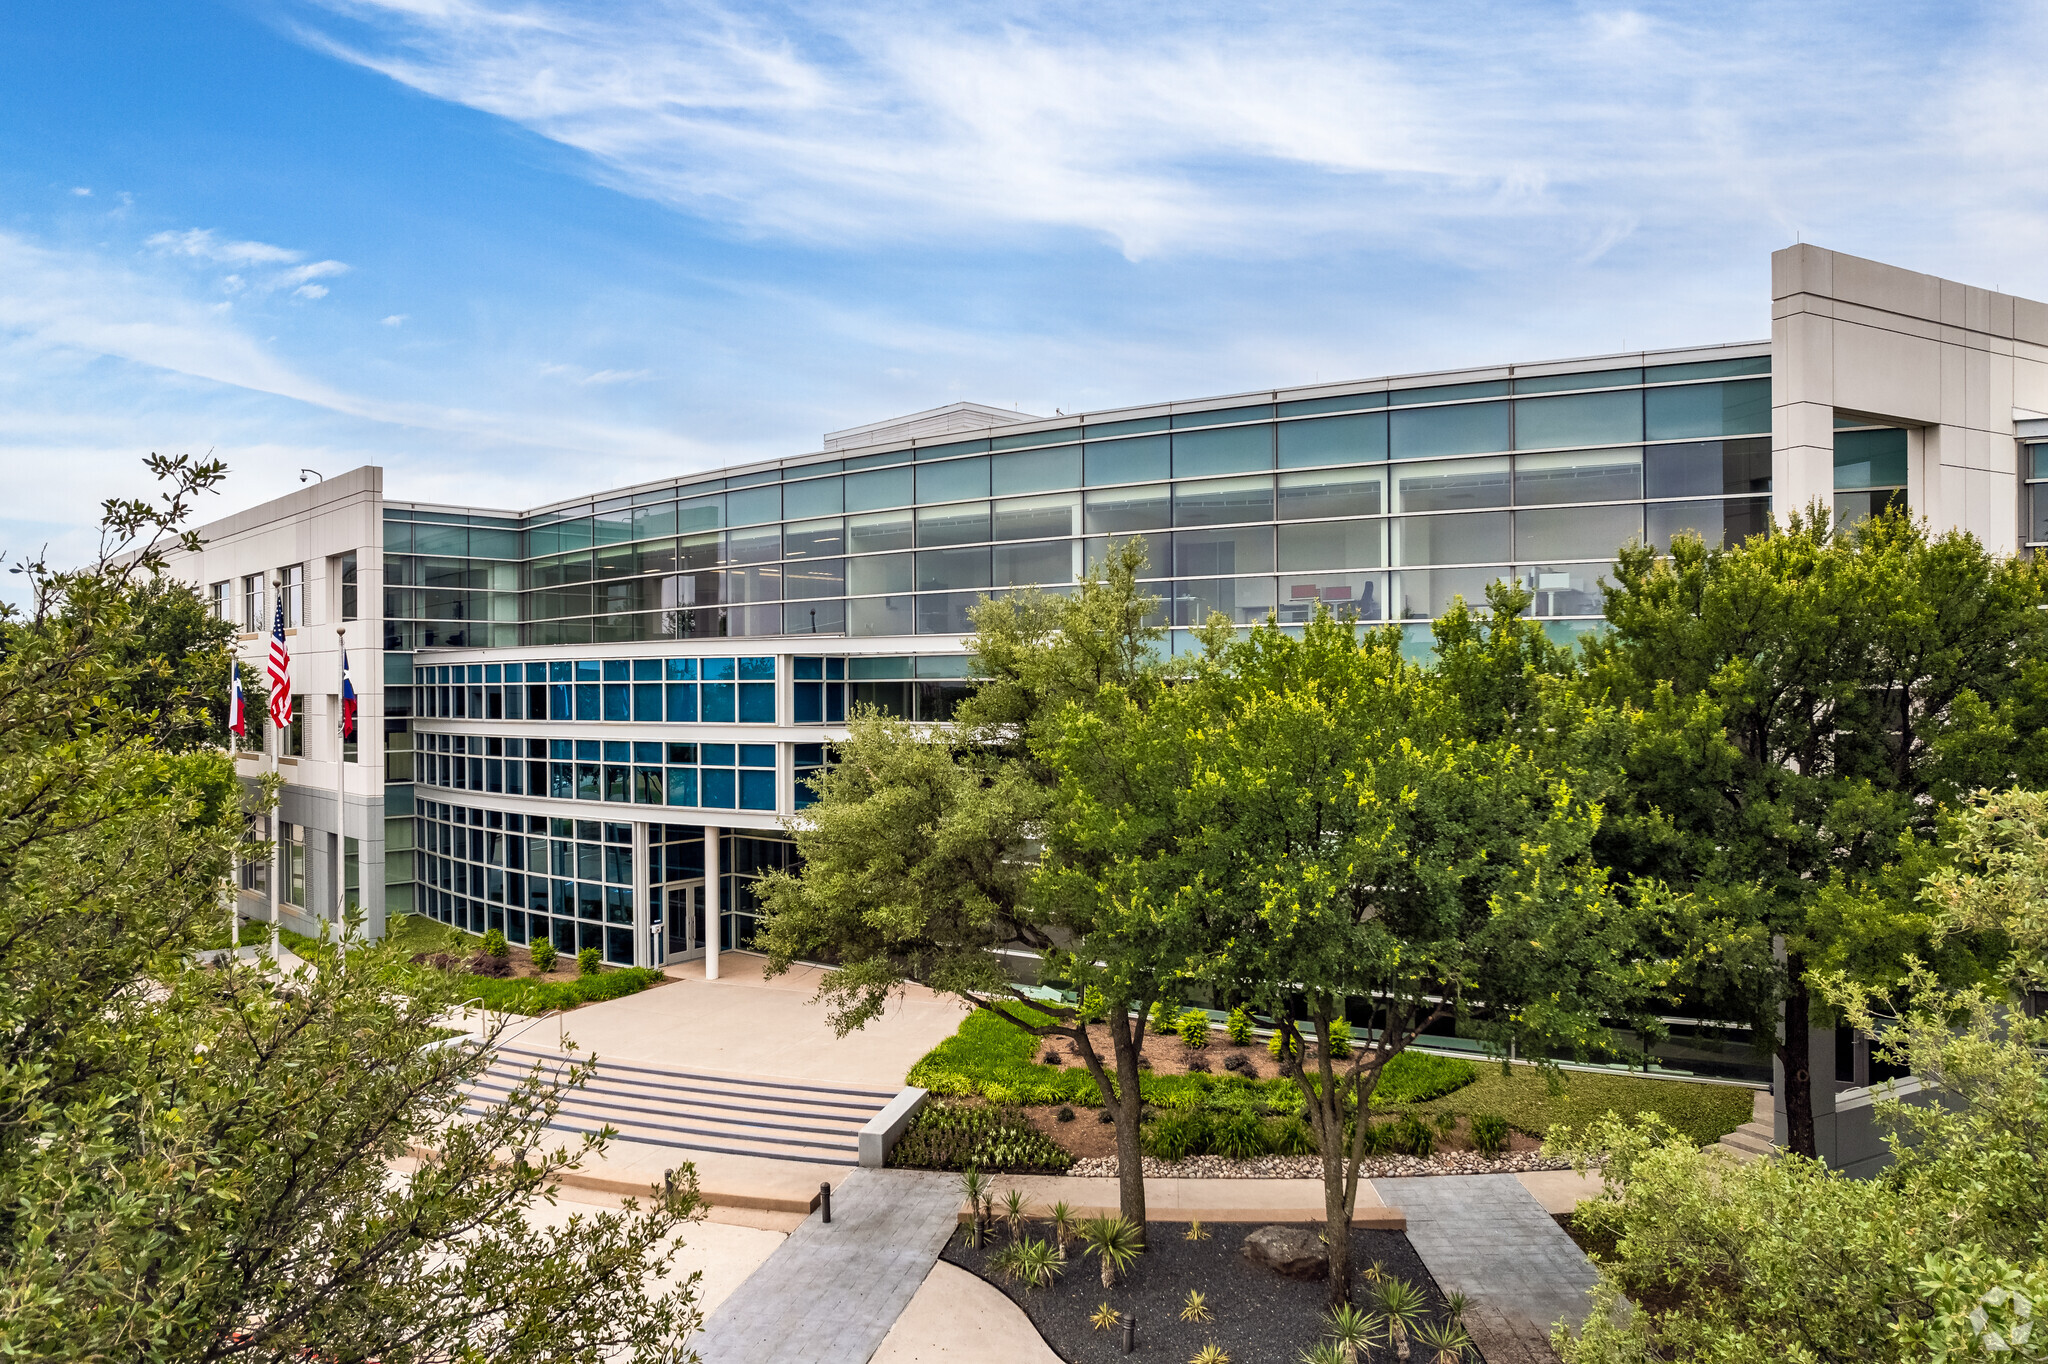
x=695, y=1111
x=1752, y=1140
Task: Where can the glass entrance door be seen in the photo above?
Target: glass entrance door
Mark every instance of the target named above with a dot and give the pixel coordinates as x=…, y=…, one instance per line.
x=683, y=916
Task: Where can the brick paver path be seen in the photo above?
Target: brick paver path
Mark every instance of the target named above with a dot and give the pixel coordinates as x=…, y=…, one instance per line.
x=1487, y=1237
x=830, y=1294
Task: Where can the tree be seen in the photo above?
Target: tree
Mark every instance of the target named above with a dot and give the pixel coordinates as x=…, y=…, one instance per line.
x=1940, y=1257
x=1354, y=827
x=1809, y=702
x=924, y=851
x=197, y=1163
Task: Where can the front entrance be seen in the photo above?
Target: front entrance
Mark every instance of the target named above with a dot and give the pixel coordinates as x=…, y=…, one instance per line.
x=682, y=925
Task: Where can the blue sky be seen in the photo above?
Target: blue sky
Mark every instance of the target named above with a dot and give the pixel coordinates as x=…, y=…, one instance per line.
x=516, y=248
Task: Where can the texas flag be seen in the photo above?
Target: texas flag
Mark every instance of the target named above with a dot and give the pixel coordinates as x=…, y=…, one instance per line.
x=238, y=717
x=348, y=700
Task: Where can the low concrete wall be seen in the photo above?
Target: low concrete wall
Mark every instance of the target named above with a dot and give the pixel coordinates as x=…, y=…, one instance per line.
x=1859, y=1148
x=885, y=1127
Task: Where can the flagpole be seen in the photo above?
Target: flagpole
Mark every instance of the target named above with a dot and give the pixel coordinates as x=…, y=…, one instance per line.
x=276, y=827
x=233, y=899
x=341, y=802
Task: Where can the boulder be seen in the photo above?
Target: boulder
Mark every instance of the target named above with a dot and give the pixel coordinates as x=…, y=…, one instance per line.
x=1297, y=1252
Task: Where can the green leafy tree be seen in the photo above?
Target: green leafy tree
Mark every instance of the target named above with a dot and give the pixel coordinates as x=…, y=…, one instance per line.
x=927, y=849
x=1943, y=1255
x=1352, y=826
x=1808, y=703
x=198, y=1163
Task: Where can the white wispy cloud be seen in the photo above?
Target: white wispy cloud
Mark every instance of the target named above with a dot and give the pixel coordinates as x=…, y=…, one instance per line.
x=271, y=268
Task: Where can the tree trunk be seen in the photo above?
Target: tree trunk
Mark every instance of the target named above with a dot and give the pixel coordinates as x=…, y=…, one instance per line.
x=1130, y=1151
x=1795, y=1057
x=1337, y=1221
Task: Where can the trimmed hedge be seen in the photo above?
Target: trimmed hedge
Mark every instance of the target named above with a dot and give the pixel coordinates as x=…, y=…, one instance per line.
x=526, y=995
x=998, y=1062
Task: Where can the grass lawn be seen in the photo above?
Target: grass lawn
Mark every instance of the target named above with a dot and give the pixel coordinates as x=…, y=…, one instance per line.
x=1706, y=1113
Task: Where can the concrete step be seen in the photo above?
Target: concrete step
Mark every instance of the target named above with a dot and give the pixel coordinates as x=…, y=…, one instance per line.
x=653, y=1106
x=1751, y=1139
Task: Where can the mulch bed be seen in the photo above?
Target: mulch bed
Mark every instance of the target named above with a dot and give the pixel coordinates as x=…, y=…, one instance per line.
x=1258, y=1316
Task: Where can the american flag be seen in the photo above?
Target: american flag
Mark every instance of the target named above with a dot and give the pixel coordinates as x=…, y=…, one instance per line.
x=348, y=700
x=280, y=672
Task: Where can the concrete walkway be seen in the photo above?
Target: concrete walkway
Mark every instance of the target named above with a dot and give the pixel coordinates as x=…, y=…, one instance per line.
x=830, y=1294
x=1488, y=1237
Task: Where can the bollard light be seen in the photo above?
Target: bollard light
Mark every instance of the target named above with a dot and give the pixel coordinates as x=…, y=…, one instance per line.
x=1130, y=1333
x=825, y=1196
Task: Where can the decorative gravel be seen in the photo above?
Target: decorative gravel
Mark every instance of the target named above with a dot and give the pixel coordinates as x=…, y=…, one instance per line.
x=1257, y=1316
x=1311, y=1167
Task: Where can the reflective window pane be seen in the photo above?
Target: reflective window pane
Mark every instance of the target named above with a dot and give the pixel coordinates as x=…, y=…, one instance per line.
x=880, y=531
x=1741, y=408
x=1047, y=563
x=760, y=582
x=1242, y=549
x=1158, y=549
x=814, y=578
x=1576, y=532
x=878, y=573
x=878, y=488
x=952, y=480
x=1333, y=440
x=1032, y=518
x=1125, y=509
x=961, y=524
x=1566, y=589
x=945, y=613
x=1220, y=501
x=1225, y=450
x=1579, y=476
x=1870, y=459
x=756, y=546
x=1128, y=461
x=813, y=497
x=1428, y=593
x=1032, y=471
x=1719, y=521
x=1363, y=595
x=1423, y=433
x=952, y=568
x=814, y=617
x=753, y=506
x=1336, y=492
x=814, y=539
x=1579, y=419
x=1707, y=468
x=1332, y=544
x=1452, y=485
x=868, y=616
x=1246, y=601
x=1465, y=538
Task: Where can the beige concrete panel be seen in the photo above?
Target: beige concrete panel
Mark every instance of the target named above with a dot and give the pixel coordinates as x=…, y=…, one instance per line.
x=1998, y=396
x=2030, y=381
x=2002, y=315
x=1954, y=387
x=1993, y=509
x=1953, y=309
x=1877, y=285
x=1804, y=268
x=1953, y=499
x=1977, y=392
x=1917, y=465
x=956, y=1315
x=1897, y=322
x=2030, y=321
x=1803, y=360
x=1888, y=373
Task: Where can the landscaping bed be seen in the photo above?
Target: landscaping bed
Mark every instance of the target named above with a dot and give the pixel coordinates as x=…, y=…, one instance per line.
x=1256, y=1316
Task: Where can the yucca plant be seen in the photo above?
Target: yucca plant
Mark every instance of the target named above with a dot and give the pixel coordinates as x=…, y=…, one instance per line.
x=1353, y=1330
x=1212, y=1353
x=1194, y=1308
x=1455, y=1306
x=1115, y=1241
x=1060, y=1216
x=1404, y=1308
x=973, y=1188
x=1031, y=1261
x=1443, y=1342
x=1014, y=1209
x=1196, y=1231
x=1324, y=1352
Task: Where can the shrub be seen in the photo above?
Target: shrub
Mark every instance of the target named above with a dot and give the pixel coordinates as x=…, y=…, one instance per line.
x=987, y=1052
x=1490, y=1133
x=484, y=964
x=1339, y=1040
x=527, y=995
x=1193, y=1027
x=1163, y=1015
x=1415, y=1077
x=1239, y=1026
x=1198, y=1065
x=586, y=962
x=978, y=1136
x=1414, y=1136
x=1237, y=1062
x=1067, y=1114
x=1177, y=1136
x=496, y=946
x=1290, y=1137
x=1381, y=1138
x=543, y=953
x=1240, y=1136
x=1051, y=1057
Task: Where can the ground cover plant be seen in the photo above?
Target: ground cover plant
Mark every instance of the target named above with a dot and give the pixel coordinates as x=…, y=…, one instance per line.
x=419, y=936
x=951, y=1135
x=1526, y=1098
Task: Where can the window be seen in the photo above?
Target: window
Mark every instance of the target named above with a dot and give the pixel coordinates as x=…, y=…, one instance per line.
x=220, y=599
x=295, y=734
x=291, y=851
x=2034, y=464
x=252, y=604
x=1870, y=472
x=292, y=586
x=347, y=563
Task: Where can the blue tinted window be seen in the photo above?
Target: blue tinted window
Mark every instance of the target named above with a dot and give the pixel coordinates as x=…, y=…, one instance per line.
x=757, y=755
x=1473, y=429
x=1333, y=440
x=717, y=755
x=1128, y=461
x=644, y=752
x=1737, y=409
x=536, y=672
x=1035, y=471
x=561, y=748
x=757, y=703
x=1217, y=416
x=617, y=669
x=813, y=497
x=588, y=670
x=808, y=668
x=586, y=700
x=808, y=701
x=476, y=672
x=587, y=750
x=1612, y=418
x=1232, y=450
x=835, y=668
x=757, y=790
x=718, y=670
x=683, y=753
x=835, y=703
x=647, y=700
x=682, y=786
x=719, y=788
x=877, y=489
x=682, y=701
x=491, y=672
x=953, y=480
x=618, y=701
x=754, y=507
x=717, y=703
x=757, y=670
x=682, y=669
x=617, y=751
x=646, y=670
x=558, y=702
x=558, y=671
